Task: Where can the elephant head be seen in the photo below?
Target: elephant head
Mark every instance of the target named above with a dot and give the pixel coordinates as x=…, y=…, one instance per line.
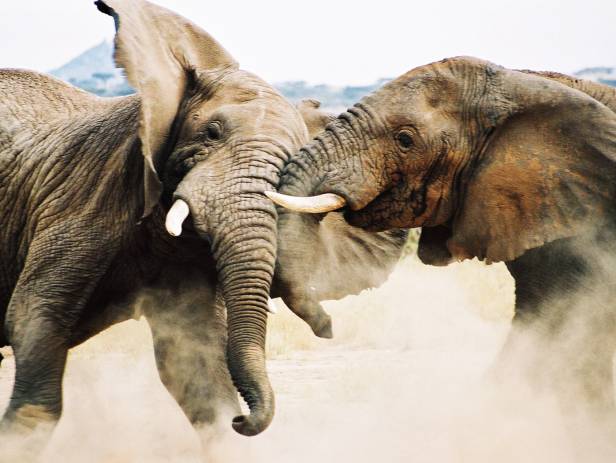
x=490, y=162
x=214, y=138
x=323, y=258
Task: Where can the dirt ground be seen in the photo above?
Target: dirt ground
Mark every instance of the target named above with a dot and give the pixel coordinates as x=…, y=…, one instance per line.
x=403, y=381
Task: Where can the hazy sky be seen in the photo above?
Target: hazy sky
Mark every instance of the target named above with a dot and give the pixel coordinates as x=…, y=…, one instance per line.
x=339, y=42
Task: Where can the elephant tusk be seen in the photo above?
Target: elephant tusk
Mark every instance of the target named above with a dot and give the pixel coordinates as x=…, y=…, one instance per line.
x=176, y=216
x=313, y=204
x=271, y=306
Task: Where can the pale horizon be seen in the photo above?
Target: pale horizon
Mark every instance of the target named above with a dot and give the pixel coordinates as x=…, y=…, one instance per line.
x=339, y=43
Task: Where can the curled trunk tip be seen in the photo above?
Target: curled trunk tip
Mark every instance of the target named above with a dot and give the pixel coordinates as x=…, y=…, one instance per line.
x=247, y=368
x=256, y=422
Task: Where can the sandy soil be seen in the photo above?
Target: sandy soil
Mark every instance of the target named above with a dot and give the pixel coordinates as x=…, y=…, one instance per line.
x=402, y=382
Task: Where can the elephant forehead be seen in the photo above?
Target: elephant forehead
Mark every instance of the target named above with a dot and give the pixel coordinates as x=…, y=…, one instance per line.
x=244, y=95
x=259, y=116
x=242, y=86
x=262, y=118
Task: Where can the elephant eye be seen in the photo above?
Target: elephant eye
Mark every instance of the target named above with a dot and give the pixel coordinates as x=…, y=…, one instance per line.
x=405, y=140
x=213, y=131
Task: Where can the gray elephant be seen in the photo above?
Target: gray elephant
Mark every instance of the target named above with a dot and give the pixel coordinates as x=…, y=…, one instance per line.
x=511, y=166
x=87, y=188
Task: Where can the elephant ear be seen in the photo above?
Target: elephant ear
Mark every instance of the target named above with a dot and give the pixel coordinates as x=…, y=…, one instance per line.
x=335, y=259
x=159, y=51
x=328, y=259
x=548, y=170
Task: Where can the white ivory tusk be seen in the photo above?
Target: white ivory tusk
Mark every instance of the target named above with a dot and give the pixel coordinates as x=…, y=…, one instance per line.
x=271, y=307
x=176, y=216
x=313, y=204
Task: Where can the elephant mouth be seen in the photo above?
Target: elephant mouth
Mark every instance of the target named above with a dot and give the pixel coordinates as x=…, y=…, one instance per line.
x=378, y=214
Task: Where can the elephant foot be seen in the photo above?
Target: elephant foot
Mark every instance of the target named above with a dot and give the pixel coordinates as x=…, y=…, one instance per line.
x=219, y=444
x=24, y=435
x=323, y=327
x=313, y=314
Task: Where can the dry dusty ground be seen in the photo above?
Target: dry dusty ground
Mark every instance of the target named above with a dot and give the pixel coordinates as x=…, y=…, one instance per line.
x=401, y=382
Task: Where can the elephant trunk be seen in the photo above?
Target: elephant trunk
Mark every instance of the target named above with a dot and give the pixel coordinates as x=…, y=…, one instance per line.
x=329, y=173
x=304, y=172
x=245, y=259
x=241, y=224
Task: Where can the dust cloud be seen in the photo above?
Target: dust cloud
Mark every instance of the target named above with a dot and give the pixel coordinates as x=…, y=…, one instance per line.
x=405, y=379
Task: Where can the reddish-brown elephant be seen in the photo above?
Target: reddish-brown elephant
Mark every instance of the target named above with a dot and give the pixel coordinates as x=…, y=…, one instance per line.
x=500, y=165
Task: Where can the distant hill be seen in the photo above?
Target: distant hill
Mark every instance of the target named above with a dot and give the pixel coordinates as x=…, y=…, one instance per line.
x=94, y=71
x=96, y=59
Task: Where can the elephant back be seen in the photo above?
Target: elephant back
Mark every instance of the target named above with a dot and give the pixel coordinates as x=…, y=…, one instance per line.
x=600, y=92
x=30, y=100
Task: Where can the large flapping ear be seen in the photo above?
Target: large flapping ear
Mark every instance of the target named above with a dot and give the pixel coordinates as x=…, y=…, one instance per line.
x=548, y=171
x=340, y=260
x=158, y=49
x=329, y=259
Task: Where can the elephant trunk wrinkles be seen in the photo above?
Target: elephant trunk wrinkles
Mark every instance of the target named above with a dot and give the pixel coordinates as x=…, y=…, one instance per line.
x=245, y=260
x=331, y=163
x=301, y=176
x=241, y=223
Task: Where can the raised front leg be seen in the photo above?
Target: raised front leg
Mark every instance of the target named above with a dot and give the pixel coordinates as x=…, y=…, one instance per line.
x=59, y=275
x=190, y=334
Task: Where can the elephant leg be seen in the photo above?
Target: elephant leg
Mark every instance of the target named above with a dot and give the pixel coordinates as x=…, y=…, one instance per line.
x=58, y=278
x=40, y=358
x=190, y=334
x=4, y=302
x=306, y=307
x=569, y=367
x=563, y=336
x=311, y=311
